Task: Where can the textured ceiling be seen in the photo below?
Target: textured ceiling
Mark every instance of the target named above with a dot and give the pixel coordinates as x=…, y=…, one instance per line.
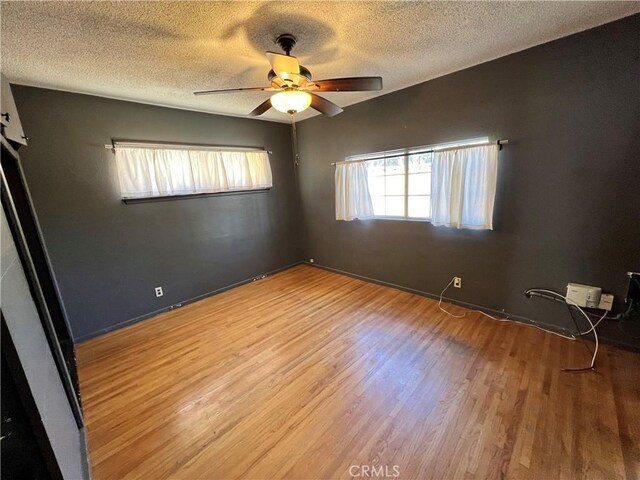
x=160, y=52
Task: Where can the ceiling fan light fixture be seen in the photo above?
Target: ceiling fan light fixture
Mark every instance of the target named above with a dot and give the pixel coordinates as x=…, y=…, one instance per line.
x=291, y=101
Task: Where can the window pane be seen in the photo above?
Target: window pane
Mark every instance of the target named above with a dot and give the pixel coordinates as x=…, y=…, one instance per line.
x=420, y=206
x=420, y=184
x=378, y=206
x=394, y=165
x=420, y=163
x=395, y=206
x=375, y=167
x=376, y=186
x=395, y=185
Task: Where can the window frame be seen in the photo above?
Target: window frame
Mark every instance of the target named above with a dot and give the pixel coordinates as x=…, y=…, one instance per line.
x=166, y=198
x=405, y=153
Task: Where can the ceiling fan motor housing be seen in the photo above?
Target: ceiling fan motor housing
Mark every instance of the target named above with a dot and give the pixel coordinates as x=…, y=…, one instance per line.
x=304, y=71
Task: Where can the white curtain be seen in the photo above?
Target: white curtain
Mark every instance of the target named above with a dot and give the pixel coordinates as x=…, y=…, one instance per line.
x=353, y=199
x=156, y=172
x=463, y=187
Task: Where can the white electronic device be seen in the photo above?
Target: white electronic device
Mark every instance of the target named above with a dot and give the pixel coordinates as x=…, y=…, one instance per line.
x=583, y=295
x=606, y=302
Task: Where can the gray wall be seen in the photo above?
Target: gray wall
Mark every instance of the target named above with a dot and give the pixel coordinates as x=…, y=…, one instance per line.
x=568, y=205
x=107, y=257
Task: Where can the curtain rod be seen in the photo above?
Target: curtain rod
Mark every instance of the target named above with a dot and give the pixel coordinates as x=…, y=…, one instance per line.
x=177, y=146
x=500, y=143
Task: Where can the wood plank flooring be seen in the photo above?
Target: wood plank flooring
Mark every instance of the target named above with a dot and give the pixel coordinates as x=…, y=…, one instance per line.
x=308, y=374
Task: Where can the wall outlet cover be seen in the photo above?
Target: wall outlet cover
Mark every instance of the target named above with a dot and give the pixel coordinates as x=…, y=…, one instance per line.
x=606, y=302
x=159, y=292
x=457, y=282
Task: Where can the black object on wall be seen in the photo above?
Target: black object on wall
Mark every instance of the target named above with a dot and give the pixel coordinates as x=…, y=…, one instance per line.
x=26, y=452
x=15, y=199
x=108, y=256
x=34, y=244
x=30, y=349
x=23, y=226
x=568, y=201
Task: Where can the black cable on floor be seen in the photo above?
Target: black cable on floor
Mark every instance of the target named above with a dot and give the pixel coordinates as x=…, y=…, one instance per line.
x=584, y=342
x=575, y=322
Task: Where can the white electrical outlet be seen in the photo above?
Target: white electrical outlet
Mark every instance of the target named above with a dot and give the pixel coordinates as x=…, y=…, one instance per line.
x=159, y=292
x=311, y=260
x=457, y=282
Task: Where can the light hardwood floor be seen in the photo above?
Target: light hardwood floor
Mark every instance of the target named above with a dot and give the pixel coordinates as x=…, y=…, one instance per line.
x=310, y=374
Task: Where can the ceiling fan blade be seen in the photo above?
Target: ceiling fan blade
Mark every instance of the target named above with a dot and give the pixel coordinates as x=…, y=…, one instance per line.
x=352, y=84
x=231, y=90
x=323, y=105
x=260, y=109
x=284, y=65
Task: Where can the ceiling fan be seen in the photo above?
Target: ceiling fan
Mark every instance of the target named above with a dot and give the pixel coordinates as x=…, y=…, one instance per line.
x=295, y=88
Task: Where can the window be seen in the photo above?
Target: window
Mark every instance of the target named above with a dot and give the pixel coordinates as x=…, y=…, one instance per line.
x=400, y=180
x=159, y=171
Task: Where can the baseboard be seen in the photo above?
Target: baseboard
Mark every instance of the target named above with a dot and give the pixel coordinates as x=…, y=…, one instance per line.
x=500, y=313
x=146, y=316
x=84, y=447
x=471, y=306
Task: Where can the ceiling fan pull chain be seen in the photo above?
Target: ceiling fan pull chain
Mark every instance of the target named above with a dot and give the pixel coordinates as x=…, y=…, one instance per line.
x=294, y=141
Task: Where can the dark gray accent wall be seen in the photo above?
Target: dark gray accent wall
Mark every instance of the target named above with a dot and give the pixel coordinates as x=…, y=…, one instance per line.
x=568, y=203
x=107, y=257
